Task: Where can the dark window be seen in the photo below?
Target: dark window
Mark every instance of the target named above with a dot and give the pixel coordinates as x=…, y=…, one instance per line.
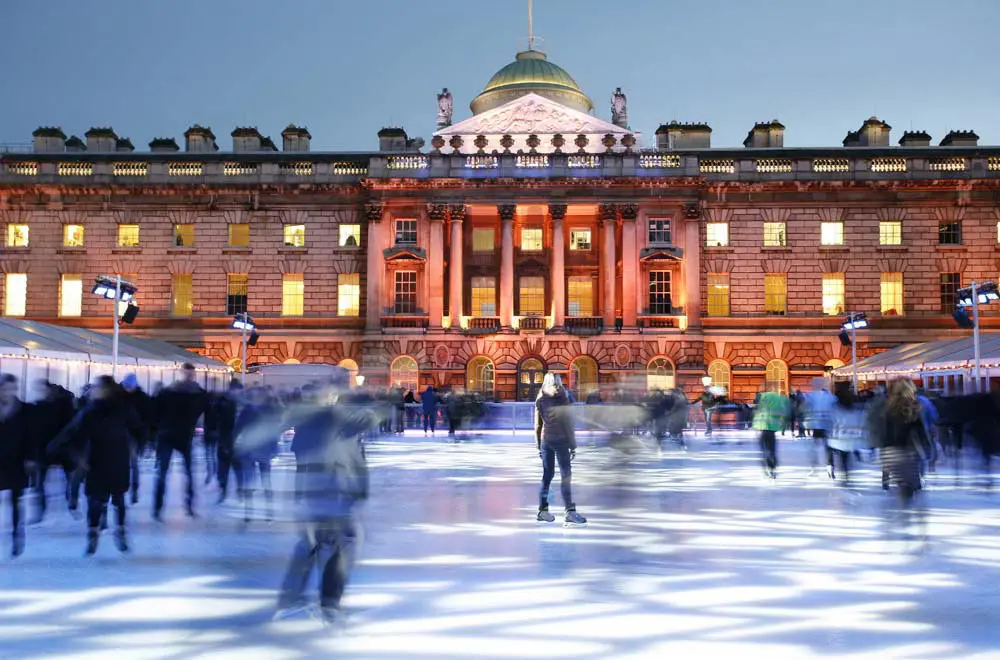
x=659, y=231
x=236, y=294
x=659, y=292
x=950, y=233
x=950, y=284
x=406, y=232
x=406, y=292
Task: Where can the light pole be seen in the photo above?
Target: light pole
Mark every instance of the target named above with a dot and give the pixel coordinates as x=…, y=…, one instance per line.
x=978, y=293
x=120, y=291
x=248, y=335
x=852, y=323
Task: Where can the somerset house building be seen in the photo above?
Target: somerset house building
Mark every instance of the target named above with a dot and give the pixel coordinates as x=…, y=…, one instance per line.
x=531, y=236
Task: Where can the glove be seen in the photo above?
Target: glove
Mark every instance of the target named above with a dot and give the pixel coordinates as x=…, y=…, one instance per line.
x=572, y=455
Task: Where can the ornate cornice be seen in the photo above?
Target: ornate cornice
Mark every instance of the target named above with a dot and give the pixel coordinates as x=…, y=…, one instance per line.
x=506, y=211
x=557, y=211
x=456, y=212
x=629, y=211
x=373, y=211
x=608, y=212
x=437, y=211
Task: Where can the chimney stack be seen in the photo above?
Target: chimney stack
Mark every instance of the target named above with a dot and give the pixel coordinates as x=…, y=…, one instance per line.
x=295, y=138
x=766, y=135
x=163, y=145
x=124, y=145
x=683, y=136
x=915, y=139
x=48, y=140
x=246, y=140
x=101, y=139
x=392, y=139
x=199, y=140
x=75, y=144
x=960, y=139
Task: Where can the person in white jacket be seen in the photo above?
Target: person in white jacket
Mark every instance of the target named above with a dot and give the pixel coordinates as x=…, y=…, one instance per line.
x=818, y=418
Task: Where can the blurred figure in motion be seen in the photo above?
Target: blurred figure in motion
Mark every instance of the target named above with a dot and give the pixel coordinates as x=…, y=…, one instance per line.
x=258, y=428
x=15, y=453
x=220, y=423
x=178, y=408
x=848, y=430
x=429, y=406
x=903, y=442
x=708, y=404
x=816, y=415
x=770, y=416
x=311, y=420
x=677, y=416
x=332, y=488
x=556, y=441
x=142, y=406
x=110, y=431
x=52, y=413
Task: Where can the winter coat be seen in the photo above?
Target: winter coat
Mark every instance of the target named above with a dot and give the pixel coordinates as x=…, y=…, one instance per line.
x=52, y=415
x=771, y=412
x=16, y=447
x=903, y=433
x=109, y=431
x=257, y=430
x=817, y=411
x=220, y=419
x=178, y=409
x=339, y=480
x=313, y=424
x=429, y=401
x=553, y=420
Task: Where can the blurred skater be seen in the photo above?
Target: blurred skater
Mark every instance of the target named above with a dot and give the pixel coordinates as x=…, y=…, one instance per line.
x=556, y=442
x=770, y=416
x=178, y=408
x=15, y=452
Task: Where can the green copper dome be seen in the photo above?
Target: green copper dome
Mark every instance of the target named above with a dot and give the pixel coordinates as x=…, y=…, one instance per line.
x=531, y=72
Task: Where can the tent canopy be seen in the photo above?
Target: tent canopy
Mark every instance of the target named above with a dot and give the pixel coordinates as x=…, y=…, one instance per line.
x=941, y=355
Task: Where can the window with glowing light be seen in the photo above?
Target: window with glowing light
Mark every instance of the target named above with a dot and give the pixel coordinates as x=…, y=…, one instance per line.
x=833, y=294
x=718, y=294
x=348, y=294
x=237, y=293
x=776, y=377
x=350, y=235
x=531, y=294
x=720, y=373
x=579, y=239
x=832, y=233
x=480, y=376
x=580, y=295
x=128, y=236
x=717, y=234
x=483, y=239
x=775, y=235
x=583, y=376
x=184, y=235
x=531, y=239
x=17, y=235
x=776, y=294
x=403, y=372
x=405, y=292
x=660, y=374
x=294, y=236
x=484, y=296
x=293, y=294
x=182, y=295
x=15, y=300
x=73, y=236
x=239, y=235
x=891, y=287
x=71, y=295
x=890, y=232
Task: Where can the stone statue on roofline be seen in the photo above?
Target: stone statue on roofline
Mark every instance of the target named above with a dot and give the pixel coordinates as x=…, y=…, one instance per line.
x=619, y=113
x=444, y=108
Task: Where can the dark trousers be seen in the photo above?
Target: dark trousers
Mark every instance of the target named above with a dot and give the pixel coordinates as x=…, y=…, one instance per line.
x=550, y=455
x=211, y=444
x=303, y=470
x=708, y=421
x=430, y=418
x=769, y=451
x=332, y=541
x=134, y=468
x=164, y=452
x=820, y=449
x=97, y=507
x=15, y=511
x=229, y=461
x=400, y=419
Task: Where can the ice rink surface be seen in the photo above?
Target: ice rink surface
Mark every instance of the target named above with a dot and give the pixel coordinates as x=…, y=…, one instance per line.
x=688, y=555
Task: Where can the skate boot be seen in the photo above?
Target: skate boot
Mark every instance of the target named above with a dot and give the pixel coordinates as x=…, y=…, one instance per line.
x=573, y=519
x=92, y=537
x=120, y=541
x=17, y=548
x=545, y=516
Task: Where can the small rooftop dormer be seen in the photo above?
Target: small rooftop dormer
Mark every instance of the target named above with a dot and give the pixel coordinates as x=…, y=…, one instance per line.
x=75, y=144
x=765, y=135
x=199, y=140
x=392, y=138
x=873, y=133
x=164, y=145
x=49, y=139
x=246, y=140
x=295, y=138
x=676, y=135
x=915, y=139
x=101, y=139
x=960, y=139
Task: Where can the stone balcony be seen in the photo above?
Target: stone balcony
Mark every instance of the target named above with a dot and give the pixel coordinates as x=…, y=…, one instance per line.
x=584, y=325
x=483, y=325
x=403, y=320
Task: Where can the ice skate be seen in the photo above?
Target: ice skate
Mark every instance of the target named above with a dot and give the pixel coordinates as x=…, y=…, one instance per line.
x=545, y=516
x=574, y=519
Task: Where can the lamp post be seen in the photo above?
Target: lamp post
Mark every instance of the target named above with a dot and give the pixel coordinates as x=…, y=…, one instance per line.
x=978, y=293
x=852, y=323
x=120, y=291
x=248, y=335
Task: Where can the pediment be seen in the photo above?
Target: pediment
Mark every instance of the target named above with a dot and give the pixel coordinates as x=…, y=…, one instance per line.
x=532, y=114
x=661, y=254
x=404, y=254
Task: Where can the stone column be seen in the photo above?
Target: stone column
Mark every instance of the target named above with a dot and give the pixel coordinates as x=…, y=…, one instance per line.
x=630, y=265
x=506, y=264
x=456, y=270
x=558, y=271
x=692, y=270
x=435, y=264
x=609, y=218
x=376, y=265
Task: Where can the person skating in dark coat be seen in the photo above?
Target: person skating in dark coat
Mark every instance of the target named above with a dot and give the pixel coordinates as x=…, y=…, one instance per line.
x=556, y=441
x=15, y=453
x=142, y=406
x=51, y=415
x=429, y=405
x=258, y=426
x=178, y=408
x=110, y=431
x=220, y=420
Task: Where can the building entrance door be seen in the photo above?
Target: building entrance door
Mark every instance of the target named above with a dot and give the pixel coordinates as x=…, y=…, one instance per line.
x=529, y=379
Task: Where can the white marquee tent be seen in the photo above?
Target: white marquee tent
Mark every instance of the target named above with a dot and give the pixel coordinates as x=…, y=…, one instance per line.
x=73, y=357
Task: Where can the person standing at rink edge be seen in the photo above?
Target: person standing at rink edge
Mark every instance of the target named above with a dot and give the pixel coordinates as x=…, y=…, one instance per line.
x=556, y=442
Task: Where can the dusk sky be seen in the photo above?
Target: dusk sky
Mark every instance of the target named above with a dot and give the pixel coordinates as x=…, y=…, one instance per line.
x=346, y=69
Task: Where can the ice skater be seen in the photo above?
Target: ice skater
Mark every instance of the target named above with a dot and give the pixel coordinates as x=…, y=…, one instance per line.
x=556, y=442
x=770, y=416
x=15, y=452
x=178, y=408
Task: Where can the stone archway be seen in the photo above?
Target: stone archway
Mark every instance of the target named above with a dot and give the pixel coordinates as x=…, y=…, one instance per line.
x=530, y=373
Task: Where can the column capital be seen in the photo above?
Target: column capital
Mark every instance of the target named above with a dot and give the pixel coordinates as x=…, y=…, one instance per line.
x=373, y=211
x=437, y=211
x=692, y=210
x=608, y=212
x=506, y=211
x=456, y=212
x=557, y=211
x=629, y=211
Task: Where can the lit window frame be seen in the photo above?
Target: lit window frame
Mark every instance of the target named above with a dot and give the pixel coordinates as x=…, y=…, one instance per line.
x=347, y=231
x=775, y=234
x=531, y=289
x=483, y=296
x=717, y=290
x=184, y=235
x=182, y=295
x=71, y=307
x=124, y=235
x=891, y=294
x=15, y=294
x=831, y=234
x=349, y=294
x=775, y=294
x=575, y=242
x=18, y=235
x=580, y=292
x=239, y=235
x=717, y=234
x=529, y=242
x=483, y=237
x=293, y=294
x=834, y=290
x=890, y=233
x=293, y=236
x=69, y=240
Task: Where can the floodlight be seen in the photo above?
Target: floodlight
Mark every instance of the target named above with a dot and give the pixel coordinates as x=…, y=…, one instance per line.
x=244, y=322
x=131, y=311
x=252, y=339
x=845, y=338
x=105, y=286
x=962, y=319
x=855, y=322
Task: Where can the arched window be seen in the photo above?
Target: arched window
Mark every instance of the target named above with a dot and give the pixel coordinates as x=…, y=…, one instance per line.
x=776, y=377
x=529, y=379
x=719, y=372
x=583, y=376
x=404, y=373
x=660, y=374
x=480, y=376
x=834, y=364
x=236, y=364
x=292, y=361
x=352, y=368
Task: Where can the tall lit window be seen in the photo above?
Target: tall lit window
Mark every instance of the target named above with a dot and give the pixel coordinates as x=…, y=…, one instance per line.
x=237, y=293
x=718, y=294
x=404, y=372
x=532, y=296
x=776, y=294
x=717, y=234
x=531, y=239
x=579, y=239
x=660, y=301
x=293, y=294
x=405, y=292
x=182, y=295
x=720, y=373
x=348, y=294
x=776, y=377
x=484, y=296
x=774, y=234
x=294, y=235
x=128, y=235
x=184, y=235
x=659, y=231
x=480, y=376
x=17, y=235
x=660, y=375
x=950, y=284
x=483, y=239
x=831, y=233
x=71, y=295
x=892, y=294
x=406, y=232
x=350, y=235
x=581, y=295
x=239, y=235
x=72, y=235
x=833, y=294
x=15, y=294
x=890, y=232
x=950, y=233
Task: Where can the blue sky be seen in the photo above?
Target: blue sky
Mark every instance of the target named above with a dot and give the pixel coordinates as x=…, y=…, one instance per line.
x=346, y=69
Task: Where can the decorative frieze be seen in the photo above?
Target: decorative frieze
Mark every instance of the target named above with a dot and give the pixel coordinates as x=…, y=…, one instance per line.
x=774, y=166
x=887, y=165
x=130, y=169
x=75, y=169
x=659, y=161
x=717, y=166
x=829, y=165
